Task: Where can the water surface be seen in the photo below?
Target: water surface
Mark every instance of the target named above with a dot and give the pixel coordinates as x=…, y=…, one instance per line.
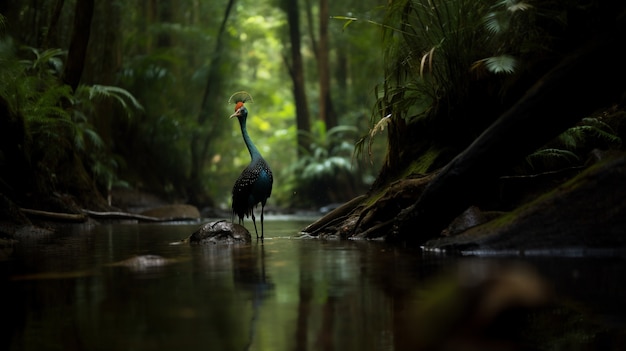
x=79, y=291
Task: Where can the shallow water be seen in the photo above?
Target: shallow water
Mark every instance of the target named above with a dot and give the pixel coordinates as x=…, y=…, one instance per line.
x=85, y=289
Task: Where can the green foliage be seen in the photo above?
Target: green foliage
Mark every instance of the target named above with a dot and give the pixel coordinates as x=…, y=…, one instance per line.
x=122, y=96
x=330, y=153
x=571, y=147
x=45, y=64
x=452, y=67
x=103, y=164
x=549, y=159
x=499, y=64
x=58, y=122
x=429, y=55
x=32, y=91
x=325, y=171
x=590, y=132
x=159, y=58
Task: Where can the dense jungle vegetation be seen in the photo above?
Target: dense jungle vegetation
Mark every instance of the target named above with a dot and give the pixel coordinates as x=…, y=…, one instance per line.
x=100, y=95
x=144, y=104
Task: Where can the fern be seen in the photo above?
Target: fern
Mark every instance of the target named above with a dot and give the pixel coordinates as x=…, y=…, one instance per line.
x=56, y=120
x=551, y=158
x=580, y=137
x=45, y=63
x=572, y=145
x=128, y=102
x=326, y=167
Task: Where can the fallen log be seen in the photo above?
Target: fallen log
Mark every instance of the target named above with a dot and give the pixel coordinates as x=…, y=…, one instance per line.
x=135, y=216
x=82, y=217
x=69, y=217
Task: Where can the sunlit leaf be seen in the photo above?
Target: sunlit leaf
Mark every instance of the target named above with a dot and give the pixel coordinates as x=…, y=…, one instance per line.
x=496, y=22
x=501, y=64
x=380, y=126
x=515, y=5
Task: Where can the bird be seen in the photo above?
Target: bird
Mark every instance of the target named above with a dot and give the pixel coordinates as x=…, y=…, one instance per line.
x=254, y=185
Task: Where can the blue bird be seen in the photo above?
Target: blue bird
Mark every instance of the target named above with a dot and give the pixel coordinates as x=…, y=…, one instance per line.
x=254, y=185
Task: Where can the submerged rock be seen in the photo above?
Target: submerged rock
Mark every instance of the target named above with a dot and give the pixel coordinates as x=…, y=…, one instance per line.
x=144, y=262
x=220, y=232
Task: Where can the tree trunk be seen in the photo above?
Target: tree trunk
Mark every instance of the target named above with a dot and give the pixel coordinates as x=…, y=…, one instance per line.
x=296, y=70
x=327, y=113
x=165, y=15
x=211, y=98
x=78, y=46
x=104, y=64
x=50, y=38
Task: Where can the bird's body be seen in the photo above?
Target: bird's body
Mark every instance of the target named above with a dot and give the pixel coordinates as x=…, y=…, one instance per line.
x=254, y=185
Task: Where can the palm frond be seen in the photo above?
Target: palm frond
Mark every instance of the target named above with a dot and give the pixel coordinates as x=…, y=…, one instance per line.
x=500, y=64
x=496, y=22
x=514, y=5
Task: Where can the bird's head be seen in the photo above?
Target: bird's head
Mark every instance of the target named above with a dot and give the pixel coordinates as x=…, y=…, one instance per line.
x=241, y=112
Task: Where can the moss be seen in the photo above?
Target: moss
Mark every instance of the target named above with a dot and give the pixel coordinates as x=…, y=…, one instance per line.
x=424, y=164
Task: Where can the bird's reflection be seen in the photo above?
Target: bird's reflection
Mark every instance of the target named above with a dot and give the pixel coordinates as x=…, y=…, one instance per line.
x=244, y=265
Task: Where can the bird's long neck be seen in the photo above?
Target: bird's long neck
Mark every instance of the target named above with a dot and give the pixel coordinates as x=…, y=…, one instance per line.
x=254, y=152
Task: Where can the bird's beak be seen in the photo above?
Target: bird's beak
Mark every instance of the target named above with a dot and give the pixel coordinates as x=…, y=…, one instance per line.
x=236, y=114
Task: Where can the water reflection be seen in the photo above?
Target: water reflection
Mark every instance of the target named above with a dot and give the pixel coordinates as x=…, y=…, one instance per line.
x=82, y=291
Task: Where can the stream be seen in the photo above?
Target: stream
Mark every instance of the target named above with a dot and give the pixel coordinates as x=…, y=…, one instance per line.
x=137, y=287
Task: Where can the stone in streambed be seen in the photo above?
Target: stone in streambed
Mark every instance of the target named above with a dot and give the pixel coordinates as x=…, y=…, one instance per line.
x=220, y=232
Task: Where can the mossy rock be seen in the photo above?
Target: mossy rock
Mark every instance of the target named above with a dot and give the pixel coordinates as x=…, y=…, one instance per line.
x=586, y=213
x=220, y=232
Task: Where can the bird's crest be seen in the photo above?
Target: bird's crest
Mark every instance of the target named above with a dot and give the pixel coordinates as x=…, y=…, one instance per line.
x=239, y=98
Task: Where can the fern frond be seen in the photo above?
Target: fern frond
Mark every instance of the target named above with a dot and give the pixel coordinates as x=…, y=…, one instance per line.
x=551, y=157
x=338, y=131
x=580, y=136
x=595, y=122
x=84, y=134
x=122, y=96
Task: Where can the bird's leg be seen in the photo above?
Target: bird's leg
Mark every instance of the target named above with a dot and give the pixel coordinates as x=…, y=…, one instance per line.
x=253, y=221
x=262, y=208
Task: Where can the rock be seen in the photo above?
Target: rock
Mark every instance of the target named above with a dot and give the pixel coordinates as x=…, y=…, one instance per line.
x=587, y=213
x=172, y=212
x=470, y=218
x=220, y=232
x=144, y=262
